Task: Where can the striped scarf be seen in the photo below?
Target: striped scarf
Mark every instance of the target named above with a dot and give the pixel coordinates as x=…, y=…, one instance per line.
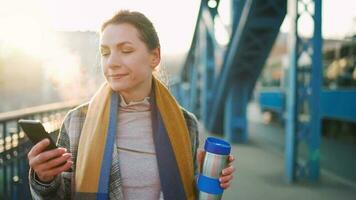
x=170, y=135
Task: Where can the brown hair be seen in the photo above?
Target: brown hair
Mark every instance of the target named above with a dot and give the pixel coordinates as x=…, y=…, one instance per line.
x=147, y=33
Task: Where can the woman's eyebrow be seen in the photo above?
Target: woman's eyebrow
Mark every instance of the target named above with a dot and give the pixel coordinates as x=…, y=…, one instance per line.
x=118, y=44
x=123, y=43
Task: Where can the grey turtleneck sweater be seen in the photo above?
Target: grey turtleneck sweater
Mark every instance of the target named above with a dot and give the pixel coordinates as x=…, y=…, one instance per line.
x=138, y=163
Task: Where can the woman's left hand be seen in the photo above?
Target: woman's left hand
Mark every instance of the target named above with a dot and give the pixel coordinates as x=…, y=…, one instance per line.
x=226, y=174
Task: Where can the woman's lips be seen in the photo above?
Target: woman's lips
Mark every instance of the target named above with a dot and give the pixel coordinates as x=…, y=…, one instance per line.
x=117, y=76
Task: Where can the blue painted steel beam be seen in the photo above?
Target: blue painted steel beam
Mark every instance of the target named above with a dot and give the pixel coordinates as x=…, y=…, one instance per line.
x=193, y=87
x=215, y=121
x=290, y=160
x=314, y=99
x=236, y=10
x=303, y=92
x=208, y=78
x=189, y=90
x=246, y=54
x=235, y=121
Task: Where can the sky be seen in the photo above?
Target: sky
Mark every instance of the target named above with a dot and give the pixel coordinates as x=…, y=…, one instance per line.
x=174, y=20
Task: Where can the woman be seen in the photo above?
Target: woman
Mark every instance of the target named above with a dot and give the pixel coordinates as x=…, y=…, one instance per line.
x=131, y=140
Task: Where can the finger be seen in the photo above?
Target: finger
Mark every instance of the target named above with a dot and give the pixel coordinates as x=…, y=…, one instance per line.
x=55, y=162
x=225, y=179
x=225, y=185
x=46, y=156
x=200, y=158
x=228, y=171
x=200, y=155
x=58, y=170
x=38, y=148
x=231, y=158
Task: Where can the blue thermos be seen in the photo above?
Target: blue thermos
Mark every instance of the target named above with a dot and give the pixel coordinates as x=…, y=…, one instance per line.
x=215, y=160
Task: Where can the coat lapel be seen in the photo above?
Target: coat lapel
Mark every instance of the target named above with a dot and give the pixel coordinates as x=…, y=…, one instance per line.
x=115, y=177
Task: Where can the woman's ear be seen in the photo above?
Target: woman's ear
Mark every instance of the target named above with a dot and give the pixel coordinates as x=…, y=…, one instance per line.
x=156, y=57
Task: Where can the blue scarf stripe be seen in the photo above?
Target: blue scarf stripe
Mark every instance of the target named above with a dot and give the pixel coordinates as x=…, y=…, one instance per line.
x=103, y=189
x=171, y=183
x=102, y=196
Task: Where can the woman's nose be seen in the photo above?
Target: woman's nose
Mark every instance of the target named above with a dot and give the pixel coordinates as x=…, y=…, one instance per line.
x=114, y=61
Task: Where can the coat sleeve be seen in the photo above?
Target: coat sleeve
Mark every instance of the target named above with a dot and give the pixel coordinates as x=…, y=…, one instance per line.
x=193, y=127
x=59, y=188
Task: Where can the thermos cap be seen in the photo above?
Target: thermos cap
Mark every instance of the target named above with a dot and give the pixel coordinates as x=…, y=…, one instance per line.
x=217, y=146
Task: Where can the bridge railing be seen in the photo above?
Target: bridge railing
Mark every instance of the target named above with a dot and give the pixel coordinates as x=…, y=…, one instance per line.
x=14, y=145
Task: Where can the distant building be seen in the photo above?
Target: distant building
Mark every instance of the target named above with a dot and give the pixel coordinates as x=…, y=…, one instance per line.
x=69, y=71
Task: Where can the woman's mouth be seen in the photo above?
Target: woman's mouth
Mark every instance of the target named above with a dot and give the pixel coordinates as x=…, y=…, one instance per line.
x=117, y=76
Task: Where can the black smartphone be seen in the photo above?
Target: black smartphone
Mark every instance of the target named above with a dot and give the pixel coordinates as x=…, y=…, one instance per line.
x=36, y=132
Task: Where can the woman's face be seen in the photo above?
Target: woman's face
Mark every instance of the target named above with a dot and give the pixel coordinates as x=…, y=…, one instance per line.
x=126, y=61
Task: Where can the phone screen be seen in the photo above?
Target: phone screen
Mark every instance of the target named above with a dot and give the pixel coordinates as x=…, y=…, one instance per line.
x=36, y=132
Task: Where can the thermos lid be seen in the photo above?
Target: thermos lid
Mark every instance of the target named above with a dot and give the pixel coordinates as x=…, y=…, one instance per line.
x=217, y=146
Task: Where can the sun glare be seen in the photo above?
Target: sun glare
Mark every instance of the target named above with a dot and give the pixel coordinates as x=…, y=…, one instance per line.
x=22, y=32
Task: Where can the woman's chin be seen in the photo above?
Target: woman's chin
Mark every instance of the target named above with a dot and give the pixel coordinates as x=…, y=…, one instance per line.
x=118, y=87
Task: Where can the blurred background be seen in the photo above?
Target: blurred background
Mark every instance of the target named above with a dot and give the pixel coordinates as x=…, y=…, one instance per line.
x=49, y=49
x=277, y=79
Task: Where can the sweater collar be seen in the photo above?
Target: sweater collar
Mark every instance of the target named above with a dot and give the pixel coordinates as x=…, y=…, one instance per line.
x=141, y=105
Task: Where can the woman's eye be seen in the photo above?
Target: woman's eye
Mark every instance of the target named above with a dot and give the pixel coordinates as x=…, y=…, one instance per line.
x=127, y=51
x=105, y=54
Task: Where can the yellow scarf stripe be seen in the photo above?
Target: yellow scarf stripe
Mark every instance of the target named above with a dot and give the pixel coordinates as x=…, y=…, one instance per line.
x=92, y=142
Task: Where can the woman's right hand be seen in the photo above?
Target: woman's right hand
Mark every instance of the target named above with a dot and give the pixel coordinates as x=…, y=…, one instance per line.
x=48, y=164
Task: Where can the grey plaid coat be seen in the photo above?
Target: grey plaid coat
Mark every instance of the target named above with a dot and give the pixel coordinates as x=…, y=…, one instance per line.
x=62, y=186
